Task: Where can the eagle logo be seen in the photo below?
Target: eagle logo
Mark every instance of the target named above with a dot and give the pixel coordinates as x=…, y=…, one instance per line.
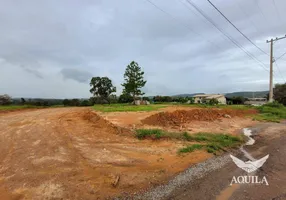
x=249, y=166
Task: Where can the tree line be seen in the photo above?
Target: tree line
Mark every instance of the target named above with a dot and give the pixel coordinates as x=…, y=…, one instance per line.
x=103, y=91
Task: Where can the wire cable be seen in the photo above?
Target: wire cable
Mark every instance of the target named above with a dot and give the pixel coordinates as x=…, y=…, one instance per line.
x=176, y=19
x=256, y=1
x=281, y=56
x=277, y=11
x=280, y=72
x=238, y=29
x=247, y=15
x=228, y=36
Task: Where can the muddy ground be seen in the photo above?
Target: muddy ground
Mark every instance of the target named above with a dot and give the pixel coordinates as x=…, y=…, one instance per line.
x=73, y=153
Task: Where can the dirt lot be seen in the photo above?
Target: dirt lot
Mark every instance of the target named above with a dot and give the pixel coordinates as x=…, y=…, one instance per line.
x=72, y=153
x=178, y=118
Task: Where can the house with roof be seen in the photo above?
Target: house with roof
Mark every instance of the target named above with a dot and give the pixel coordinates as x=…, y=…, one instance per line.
x=205, y=98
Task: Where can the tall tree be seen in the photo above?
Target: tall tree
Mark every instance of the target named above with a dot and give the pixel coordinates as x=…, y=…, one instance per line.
x=102, y=87
x=134, y=81
x=280, y=93
x=5, y=99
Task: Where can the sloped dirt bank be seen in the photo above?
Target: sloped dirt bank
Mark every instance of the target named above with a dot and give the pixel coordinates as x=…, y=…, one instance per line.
x=180, y=117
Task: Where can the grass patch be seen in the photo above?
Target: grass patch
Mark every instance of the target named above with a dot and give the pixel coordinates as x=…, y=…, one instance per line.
x=272, y=112
x=17, y=107
x=212, y=143
x=213, y=148
x=266, y=117
x=149, y=133
x=191, y=148
x=127, y=107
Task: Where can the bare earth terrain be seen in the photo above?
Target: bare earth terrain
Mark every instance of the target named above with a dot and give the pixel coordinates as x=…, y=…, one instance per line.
x=73, y=153
x=230, y=125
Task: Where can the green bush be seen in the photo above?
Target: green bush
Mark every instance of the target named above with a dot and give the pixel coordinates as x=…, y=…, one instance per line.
x=152, y=133
x=213, y=101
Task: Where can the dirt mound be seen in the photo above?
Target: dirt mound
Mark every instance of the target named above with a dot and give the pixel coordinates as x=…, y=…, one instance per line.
x=100, y=122
x=180, y=117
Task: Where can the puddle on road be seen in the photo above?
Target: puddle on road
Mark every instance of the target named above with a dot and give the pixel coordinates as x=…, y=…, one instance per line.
x=247, y=132
x=227, y=192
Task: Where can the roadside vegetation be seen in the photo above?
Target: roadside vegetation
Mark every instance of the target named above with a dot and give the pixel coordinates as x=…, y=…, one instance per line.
x=271, y=112
x=212, y=143
x=17, y=107
x=126, y=107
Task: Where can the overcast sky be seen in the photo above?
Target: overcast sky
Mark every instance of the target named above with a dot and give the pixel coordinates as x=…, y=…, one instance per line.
x=51, y=49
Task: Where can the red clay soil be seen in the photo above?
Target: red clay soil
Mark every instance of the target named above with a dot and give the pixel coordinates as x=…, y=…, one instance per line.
x=72, y=153
x=180, y=117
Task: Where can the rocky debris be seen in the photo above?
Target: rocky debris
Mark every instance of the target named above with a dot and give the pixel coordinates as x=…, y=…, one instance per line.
x=227, y=116
x=115, y=181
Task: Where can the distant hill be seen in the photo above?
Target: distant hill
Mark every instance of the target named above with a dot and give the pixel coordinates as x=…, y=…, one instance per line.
x=255, y=94
x=186, y=95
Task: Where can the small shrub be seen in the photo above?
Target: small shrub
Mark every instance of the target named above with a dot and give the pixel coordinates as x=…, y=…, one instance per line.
x=213, y=101
x=153, y=133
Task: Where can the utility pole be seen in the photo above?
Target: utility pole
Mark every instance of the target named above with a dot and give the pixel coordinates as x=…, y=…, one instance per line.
x=271, y=66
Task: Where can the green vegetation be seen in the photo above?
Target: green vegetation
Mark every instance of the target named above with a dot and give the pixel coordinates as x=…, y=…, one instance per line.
x=102, y=87
x=191, y=148
x=271, y=112
x=172, y=99
x=126, y=108
x=133, y=81
x=208, y=141
x=153, y=133
x=280, y=93
x=17, y=107
x=212, y=142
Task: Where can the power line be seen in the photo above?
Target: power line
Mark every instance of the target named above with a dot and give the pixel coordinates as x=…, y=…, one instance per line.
x=256, y=1
x=277, y=11
x=281, y=56
x=237, y=28
x=176, y=19
x=226, y=35
x=280, y=71
x=247, y=15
